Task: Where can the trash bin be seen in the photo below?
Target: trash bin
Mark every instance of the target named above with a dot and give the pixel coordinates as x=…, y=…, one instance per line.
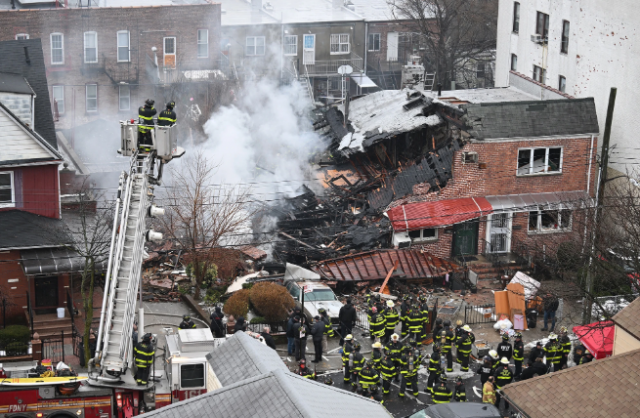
x=60, y=312
x=532, y=317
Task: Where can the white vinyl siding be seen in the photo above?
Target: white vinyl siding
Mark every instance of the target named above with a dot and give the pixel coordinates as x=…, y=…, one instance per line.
x=58, y=97
x=124, y=98
x=290, y=45
x=123, y=46
x=203, y=43
x=90, y=47
x=91, y=97
x=340, y=44
x=17, y=144
x=255, y=45
x=57, y=48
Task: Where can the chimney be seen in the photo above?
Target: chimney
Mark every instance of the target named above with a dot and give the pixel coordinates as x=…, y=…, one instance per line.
x=337, y=3
x=26, y=56
x=256, y=4
x=439, y=89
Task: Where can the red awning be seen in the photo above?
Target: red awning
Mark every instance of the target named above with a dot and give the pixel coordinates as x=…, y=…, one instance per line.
x=439, y=213
x=597, y=337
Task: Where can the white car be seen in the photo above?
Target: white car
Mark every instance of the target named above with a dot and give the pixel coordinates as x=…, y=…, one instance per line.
x=318, y=295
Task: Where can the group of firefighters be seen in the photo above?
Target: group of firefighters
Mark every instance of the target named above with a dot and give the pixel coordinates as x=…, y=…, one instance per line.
x=146, y=123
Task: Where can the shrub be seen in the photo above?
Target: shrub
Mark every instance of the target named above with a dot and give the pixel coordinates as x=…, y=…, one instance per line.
x=258, y=320
x=213, y=296
x=15, y=334
x=271, y=301
x=238, y=304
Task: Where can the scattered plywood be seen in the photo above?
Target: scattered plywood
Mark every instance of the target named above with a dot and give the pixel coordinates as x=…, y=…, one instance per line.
x=502, y=303
x=516, y=296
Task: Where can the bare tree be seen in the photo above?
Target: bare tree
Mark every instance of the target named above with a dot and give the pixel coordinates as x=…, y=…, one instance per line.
x=454, y=31
x=202, y=216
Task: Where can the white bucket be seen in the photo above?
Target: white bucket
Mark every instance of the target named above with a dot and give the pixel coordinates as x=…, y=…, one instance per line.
x=60, y=312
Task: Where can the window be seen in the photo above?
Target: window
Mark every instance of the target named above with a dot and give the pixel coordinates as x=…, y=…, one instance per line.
x=516, y=17
x=7, y=193
x=480, y=70
x=423, y=235
x=290, y=45
x=564, y=47
x=57, y=48
x=203, y=43
x=124, y=98
x=294, y=290
x=22, y=36
x=514, y=62
x=255, y=45
x=58, y=98
x=539, y=160
x=562, y=83
x=91, y=100
x=191, y=375
x=169, y=51
x=320, y=295
x=549, y=220
x=90, y=47
x=340, y=44
x=374, y=42
x=539, y=74
x=542, y=24
x=123, y=46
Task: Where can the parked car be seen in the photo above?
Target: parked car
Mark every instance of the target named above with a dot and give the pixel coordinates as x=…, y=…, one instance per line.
x=319, y=295
x=459, y=410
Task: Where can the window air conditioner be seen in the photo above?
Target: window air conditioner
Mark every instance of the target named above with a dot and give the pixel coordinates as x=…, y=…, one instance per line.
x=539, y=39
x=469, y=157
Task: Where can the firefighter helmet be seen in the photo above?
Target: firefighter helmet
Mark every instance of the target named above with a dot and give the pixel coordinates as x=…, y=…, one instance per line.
x=356, y=346
x=493, y=354
x=149, y=102
x=171, y=104
x=395, y=337
x=186, y=317
x=329, y=381
x=504, y=360
x=439, y=321
x=322, y=310
x=518, y=335
x=505, y=337
x=377, y=345
x=553, y=336
x=349, y=337
x=459, y=322
x=146, y=337
x=390, y=303
x=447, y=323
x=467, y=328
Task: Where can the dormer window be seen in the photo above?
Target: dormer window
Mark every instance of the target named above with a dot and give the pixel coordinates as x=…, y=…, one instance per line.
x=17, y=96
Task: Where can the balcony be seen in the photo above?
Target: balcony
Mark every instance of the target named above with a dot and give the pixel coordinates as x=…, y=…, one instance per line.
x=324, y=68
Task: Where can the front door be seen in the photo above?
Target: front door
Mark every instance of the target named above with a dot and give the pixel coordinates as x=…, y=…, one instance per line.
x=499, y=233
x=46, y=291
x=465, y=238
x=309, y=50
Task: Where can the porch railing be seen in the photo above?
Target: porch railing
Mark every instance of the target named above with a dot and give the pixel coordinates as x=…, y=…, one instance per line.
x=330, y=67
x=30, y=311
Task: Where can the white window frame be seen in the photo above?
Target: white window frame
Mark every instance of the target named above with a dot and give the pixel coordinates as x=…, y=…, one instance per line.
x=120, y=87
x=562, y=83
x=514, y=62
x=540, y=230
x=86, y=98
x=342, y=40
x=199, y=42
x=254, y=46
x=372, y=36
x=85, y=46
x=542, y=76
x=422, y=238
x=546, y=161
x=22, y=36
x=290, y=49
x=118, y=46
x=53, y=95
x=61, y=35
x=12, y=186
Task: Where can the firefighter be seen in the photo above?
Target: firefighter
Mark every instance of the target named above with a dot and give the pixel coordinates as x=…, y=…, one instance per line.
x=410, y=366
x=395, y=351
x=328, y=330
x=388, y=370
x=347, y=349
x=565, y=344
x=434, y=368
x=186, y=323
x=168, y=117
x=553, y=352
x=503, y=376
x=356, y=362
x=486, y=369
x=437, y=330
x=441, y=393
x=392, y=318
x=458, y=329
x=415, y=322
x=587, y=357
x=460, y=392
x=368, y=377
x=376, y=354
x=304, y=371
x=404, y=307
x=495, y=360
x=144, y=353
x=518, y=353
x=448, y=344
x=377, y=323
x=504, y=348
x=145, y=124
x=424, y=310
x=464, y=347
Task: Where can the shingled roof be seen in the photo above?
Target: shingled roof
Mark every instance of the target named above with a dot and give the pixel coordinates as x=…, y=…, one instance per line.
x=242, y=357
x=531, y=119
x=25, y=58
x=277, y=394
x=628, y=318
x=602, y=388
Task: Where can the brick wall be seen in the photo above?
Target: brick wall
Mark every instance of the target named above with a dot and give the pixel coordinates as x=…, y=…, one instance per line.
x=147, y=26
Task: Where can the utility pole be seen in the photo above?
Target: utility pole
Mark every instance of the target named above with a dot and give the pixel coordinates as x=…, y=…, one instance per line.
x=588, y=301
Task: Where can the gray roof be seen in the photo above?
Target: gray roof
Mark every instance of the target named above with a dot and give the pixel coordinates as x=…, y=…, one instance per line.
x=242, y=357
x=277, y=394
x=14, y=83
x=14, y=61
x=531, y=119
x=27, y=230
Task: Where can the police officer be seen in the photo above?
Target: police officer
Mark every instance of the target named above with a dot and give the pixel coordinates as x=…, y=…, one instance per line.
x=395, y=351
x=376, y=354
x=518, y=353
x=503, y=376
x=504, y=348
x=168, y=117
x=441, y=393
x=356, y=363
x=368, y=378
x=186, y=323
x=460, y=392
x=410, y=366
x=377, y=324
x=347, y=349
x=434, y=368
x=145, y=123
x=388, y=370
x=144, y=353
x=392, y=318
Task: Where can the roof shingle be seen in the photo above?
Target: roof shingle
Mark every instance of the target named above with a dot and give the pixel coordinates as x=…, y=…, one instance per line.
x=628, y=318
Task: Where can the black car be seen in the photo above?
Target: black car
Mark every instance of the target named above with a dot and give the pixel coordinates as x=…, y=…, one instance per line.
x=459, y=410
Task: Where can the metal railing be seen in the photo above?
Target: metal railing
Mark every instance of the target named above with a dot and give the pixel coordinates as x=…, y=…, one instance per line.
x=479, y=314
x=70, y=307
x=53, y=348
x=30, y=311
x=330, y=67
x=276, y=328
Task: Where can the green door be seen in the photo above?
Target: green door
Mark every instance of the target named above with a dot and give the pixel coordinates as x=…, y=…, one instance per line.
x=465, y=238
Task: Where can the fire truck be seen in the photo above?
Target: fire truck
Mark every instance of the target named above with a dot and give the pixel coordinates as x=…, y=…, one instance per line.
x=180, y=370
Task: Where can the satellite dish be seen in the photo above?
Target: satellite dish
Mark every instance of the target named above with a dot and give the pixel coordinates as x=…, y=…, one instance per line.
x=345, y=69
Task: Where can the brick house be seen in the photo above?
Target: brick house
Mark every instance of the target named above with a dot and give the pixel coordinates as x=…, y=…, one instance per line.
x=101, y=61
x=517, y=185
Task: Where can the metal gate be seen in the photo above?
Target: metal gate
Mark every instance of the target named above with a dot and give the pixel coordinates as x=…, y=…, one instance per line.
x=53, y=348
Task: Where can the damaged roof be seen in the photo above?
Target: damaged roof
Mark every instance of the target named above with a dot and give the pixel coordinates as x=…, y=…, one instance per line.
x=375, y=265
x=531, y=119
x=438, y=213
x=602, y=388
x=242, y=357
x=277, y=394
